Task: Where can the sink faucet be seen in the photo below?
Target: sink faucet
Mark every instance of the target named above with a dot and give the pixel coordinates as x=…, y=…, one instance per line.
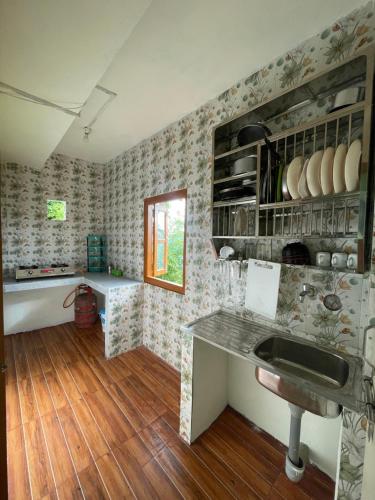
x=307, y=291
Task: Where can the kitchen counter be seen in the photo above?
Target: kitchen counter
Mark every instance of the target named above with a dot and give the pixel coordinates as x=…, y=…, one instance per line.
x=239, y=337
x=123, y=299
x=98, y=281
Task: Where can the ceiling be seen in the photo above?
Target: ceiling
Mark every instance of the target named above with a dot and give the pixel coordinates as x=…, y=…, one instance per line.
x=57, y=51
x=175, y=55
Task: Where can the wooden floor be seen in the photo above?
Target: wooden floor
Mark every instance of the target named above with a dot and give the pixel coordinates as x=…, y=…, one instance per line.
x=80, y=426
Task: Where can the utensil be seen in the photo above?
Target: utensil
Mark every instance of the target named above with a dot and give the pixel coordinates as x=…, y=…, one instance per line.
x=244, y=165
x=339, y=168
x=236, y=192
x=347, y=97
x=302, y=187
x=326, y=170
x=252, y=133
x=339, y=260
x=240, y=222
x=332, y=302
x=352, y=261
x=323, y=259
x=313, y=173
x=279, y=184
x=352, y=163
x=295, y=253
x=284, y=185
x=293, y=175
x=226, y=251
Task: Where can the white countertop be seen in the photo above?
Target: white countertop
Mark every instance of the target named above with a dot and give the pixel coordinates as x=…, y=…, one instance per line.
x=101, y=282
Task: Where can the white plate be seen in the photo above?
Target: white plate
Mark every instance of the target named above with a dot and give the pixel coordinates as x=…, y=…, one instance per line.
x=313, y=173
x=326, y=171
x=352, y=163
x=240, y=222
x=302, y=183
x=339, y=168
x=293, y=175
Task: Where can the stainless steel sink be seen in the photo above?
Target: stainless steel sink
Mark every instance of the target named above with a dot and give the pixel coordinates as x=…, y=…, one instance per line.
x=304, y=361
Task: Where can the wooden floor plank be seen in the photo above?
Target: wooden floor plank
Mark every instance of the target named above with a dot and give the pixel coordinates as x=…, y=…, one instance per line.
x=79, y=451
x=42, y=481
x=159, y=480
x=13, y=411
x=18, y=477
x=29, y=409
x=142, y=405
x=92, y=484
x=127, y=406
x=112, y=422
x=42, y=395
x=248, y=474
x=62, y=465
x=228, y=476
x=183, y=481
x=133, y=472
x=81, y=426
x=113, y=478
x=84, y=377
x=90, y=429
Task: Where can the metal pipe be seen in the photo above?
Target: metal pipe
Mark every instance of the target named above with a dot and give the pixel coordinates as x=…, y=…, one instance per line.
x=295, y=433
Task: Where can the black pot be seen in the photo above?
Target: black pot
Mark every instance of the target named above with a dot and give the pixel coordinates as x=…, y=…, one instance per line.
x=251, y=133
x=296, y=253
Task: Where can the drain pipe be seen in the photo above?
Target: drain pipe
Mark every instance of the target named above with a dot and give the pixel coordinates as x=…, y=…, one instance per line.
x=294, y=465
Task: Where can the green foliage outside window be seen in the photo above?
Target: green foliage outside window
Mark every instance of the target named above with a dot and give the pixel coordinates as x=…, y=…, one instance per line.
x=56, y=210
x=175, y=251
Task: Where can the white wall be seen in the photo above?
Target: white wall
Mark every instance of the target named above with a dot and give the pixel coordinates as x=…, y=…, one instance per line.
x=271, y=414
x=34, y=309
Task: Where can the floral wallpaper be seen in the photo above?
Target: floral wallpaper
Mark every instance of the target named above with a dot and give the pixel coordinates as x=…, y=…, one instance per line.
x=124, y=319
x=181, y=156
x=28, y=236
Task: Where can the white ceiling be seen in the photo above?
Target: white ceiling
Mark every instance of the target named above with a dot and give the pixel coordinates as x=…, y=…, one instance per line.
x=57, y=50
x=175, y=56
x=183, y=53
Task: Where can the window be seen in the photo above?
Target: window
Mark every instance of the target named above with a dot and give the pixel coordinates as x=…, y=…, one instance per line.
x=165, y=228
x=56, y=210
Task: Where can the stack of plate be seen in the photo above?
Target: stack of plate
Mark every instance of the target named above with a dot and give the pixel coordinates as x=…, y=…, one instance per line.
x=325, y=172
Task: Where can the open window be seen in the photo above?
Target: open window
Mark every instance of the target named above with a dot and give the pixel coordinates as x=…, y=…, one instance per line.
x=165, y=245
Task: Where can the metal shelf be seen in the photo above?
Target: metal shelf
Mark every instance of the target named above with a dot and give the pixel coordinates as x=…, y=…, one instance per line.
x=242, y=201
x=236, y=177
x=314, y=200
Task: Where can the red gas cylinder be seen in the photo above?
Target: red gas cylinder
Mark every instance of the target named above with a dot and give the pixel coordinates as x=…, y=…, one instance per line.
x=85, y=306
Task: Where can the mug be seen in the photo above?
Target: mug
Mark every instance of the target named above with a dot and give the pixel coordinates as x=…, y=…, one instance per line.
x=352, y=261
x=339, y=260
x=323, y=259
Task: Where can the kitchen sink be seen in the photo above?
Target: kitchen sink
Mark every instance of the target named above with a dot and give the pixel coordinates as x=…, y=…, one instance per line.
x=304, y=361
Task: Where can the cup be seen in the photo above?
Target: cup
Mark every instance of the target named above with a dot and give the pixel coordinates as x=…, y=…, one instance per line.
x=352, y=261
x=323, y=259
x=339, y=260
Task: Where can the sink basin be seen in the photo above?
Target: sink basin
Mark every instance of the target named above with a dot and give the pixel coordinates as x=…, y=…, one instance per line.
x=304, y=361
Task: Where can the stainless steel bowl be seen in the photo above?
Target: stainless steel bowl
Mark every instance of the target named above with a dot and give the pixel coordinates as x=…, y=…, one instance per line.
x=244, y=165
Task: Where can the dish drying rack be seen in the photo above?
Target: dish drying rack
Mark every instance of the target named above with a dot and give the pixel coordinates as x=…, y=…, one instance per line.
x=336, y=216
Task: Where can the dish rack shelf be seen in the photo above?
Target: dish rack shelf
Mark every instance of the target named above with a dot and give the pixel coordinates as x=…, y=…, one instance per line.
x=345, y=216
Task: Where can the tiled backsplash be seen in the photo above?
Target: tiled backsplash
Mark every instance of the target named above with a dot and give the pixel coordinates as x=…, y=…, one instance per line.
x=28, y=236
x=310, y=319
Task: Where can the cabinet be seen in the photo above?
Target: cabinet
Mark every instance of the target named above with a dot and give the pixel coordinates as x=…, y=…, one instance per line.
x=246, y=214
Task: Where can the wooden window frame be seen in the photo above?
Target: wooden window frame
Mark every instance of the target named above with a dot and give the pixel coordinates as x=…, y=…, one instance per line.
x=149, y=235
